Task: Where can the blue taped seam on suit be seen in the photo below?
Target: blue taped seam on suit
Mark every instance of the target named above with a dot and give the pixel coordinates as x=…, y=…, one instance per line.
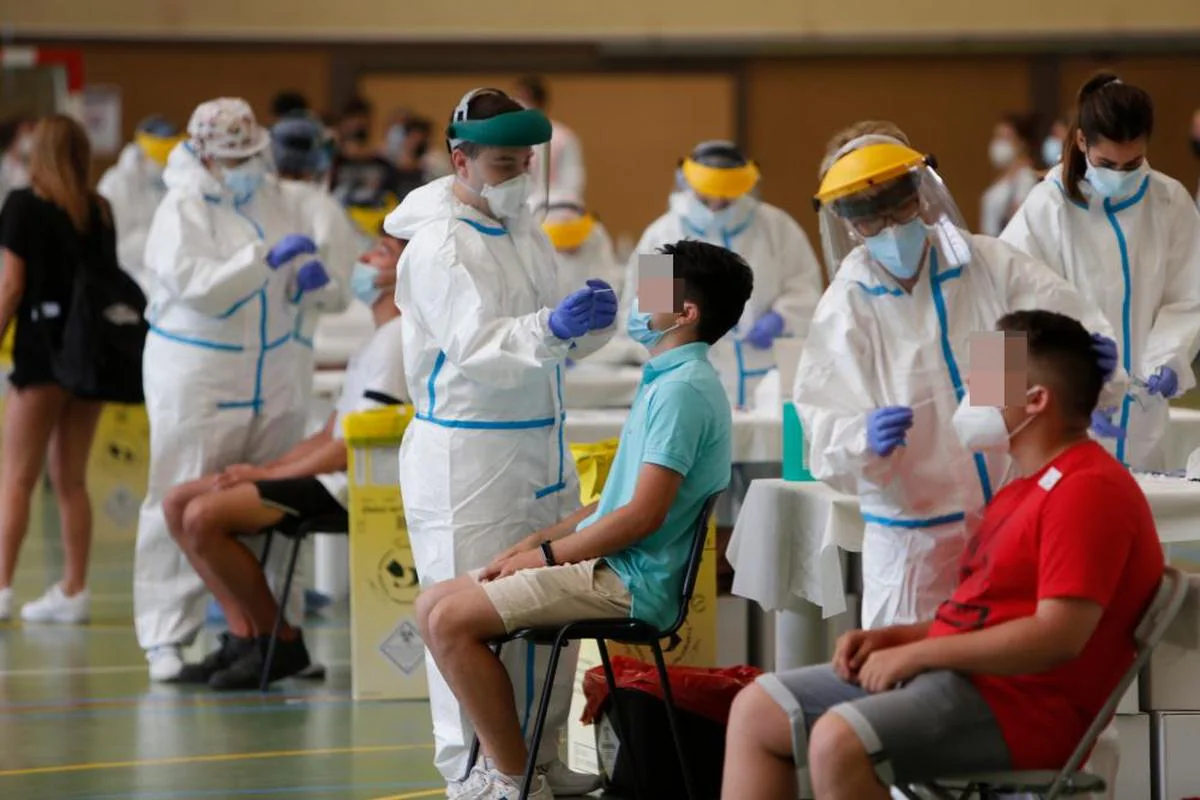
x=188, y=340
x=484, y=229
x=469, y=424
x=932, y=522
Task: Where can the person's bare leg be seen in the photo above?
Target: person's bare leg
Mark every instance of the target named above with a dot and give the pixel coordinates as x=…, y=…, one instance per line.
x=176, y=501
x=29, y=416
x=459, y=627
x=839, y=765
x=428, y=599
x=70, y=445
x=758, y=749
x=211, y=526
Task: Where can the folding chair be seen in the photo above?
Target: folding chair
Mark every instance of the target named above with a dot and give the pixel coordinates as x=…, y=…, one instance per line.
x=331, y=525
x=1071, y=780
x=622, y=630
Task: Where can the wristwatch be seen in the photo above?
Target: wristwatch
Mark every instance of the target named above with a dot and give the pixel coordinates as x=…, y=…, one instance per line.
x=548, y=554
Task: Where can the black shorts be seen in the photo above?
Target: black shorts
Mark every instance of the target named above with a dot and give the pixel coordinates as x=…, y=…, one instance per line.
x=300, y=499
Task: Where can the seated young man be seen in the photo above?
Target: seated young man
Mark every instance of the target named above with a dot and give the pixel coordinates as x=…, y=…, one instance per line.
x=625, y=555
x=1021, y=658
x=207, y=516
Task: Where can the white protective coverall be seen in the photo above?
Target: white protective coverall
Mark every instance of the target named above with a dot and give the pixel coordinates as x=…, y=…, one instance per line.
x=219, y=374
x=134, y=187
x=787, y=280
x=326, y=223
x=873, y=345
x=1138, y=260
x=485, y=462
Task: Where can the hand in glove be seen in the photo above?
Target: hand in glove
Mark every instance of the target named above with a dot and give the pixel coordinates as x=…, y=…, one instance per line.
x=312, y=276
x=287, y=248
x=573, y=315
x=1164, y=382
x=1105, y=350
x=604, y=310
x=886, y=428
x=1103, y=425
x=766, y=330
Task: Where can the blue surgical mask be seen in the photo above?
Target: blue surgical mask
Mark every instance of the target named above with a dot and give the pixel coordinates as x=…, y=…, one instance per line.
x=638, y=328
x=1052, y=151
x=900, y=248
x=1113, y=182
x=243, y=180
x=362, y=282
x=394, y=142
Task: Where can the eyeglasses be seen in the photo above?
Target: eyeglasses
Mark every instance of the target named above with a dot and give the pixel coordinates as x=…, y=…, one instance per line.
x=875, y=224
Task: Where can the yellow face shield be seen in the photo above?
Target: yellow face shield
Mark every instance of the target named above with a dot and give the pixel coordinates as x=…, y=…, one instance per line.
x=157, y=148
x=725, y=183
x=370, y=220
x=569, y=234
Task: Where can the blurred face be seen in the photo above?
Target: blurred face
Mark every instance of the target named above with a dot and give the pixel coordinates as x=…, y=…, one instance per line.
x=355, y=130
x=902, y=214
x=1120, y=156
x=1196, y=126
x=713, y=203
x=1004, y=132
x=384, y=254
x=999, y=369
x=1059, y=130
x=493, y=166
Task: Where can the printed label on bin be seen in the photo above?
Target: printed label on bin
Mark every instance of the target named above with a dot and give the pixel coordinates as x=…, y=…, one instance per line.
x=608, y=745
x=404, y=647
x=122, y=507
x=396, y=575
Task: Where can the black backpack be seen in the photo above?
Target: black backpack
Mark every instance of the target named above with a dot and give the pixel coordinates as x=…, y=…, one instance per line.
x=104, y=333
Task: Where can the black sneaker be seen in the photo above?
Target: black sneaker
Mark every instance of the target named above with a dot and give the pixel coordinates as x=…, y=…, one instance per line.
x=291, y=658
x=230, y=650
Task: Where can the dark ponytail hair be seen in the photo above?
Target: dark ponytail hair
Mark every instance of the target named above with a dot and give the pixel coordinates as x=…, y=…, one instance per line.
x=1105, y=108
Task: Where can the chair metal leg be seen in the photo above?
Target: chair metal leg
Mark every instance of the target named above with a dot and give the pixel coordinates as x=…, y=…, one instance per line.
x=265, y=679
x=473, y=756
x=622, y=731
x=540, y=722
x=266, y=550
x=665, y=679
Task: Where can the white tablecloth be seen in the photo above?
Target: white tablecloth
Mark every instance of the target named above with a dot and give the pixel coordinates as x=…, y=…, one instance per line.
x=1183, y=436
x=785, y=545
x=600, y=385
x=757, y=437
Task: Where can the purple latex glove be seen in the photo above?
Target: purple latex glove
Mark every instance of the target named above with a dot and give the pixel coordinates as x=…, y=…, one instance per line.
x=886, y=428
x=312, y=276
x=1103, y=425
x=573, y=315
x=1106, y=354
x=1164, y=382
x=766, y=330
x=604, y=310
x=287, y=248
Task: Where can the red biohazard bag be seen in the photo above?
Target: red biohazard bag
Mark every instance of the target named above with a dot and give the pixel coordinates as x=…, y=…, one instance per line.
x=706, y=692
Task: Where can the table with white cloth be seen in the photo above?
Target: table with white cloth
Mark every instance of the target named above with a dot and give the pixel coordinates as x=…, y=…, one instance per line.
x=787, y=546
x=588, y=385
x=1183, y=436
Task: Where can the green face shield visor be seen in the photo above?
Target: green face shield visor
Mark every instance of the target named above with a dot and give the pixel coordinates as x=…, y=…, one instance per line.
x=524, y=128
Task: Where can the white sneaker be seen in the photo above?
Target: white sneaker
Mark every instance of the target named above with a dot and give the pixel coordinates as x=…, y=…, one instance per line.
x=6, y=598
x=496, y=786
x=166, y=662
x=565, y=782
x=457, y=789
x=54, y=606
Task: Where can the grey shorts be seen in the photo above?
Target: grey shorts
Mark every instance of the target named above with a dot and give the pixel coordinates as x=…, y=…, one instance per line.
x=935, y=726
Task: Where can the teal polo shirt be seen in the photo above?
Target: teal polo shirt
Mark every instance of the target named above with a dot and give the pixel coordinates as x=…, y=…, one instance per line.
x=680, y=420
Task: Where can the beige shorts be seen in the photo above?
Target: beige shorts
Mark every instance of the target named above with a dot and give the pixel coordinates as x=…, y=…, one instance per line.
x=550, y=597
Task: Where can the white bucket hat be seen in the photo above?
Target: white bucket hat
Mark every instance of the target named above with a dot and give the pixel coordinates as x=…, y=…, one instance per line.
x=226, y=128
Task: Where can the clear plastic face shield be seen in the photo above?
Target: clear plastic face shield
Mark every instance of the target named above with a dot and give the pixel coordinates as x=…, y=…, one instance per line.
x=876, y=188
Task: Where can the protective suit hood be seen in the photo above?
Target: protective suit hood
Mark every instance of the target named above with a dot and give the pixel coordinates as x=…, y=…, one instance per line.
x=185, y=172
x=419, y=207
x=132, y=159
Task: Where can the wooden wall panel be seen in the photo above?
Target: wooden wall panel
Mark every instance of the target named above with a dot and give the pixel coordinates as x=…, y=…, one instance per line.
x=947, y=106
x=634, y=126
x=1173, y=83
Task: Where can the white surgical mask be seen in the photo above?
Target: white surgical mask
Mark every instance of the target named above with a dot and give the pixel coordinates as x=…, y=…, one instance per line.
x=1115, y=183
x=1052, y=151
x=243, y=180
x=1002, y=153
x=506, y=200
x=982, y=429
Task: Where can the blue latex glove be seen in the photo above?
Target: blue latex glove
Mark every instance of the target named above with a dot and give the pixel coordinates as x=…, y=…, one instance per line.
x=604, y=312
x=311, y=276
x=287, y=248
x=1103, y=425
x=1106, y=354
x=766, y=330
x=1164, y=382
x=886, y=428
x=573, y=315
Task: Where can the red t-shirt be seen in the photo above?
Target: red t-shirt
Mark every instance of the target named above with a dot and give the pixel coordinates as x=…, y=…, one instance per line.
x=1079, y=528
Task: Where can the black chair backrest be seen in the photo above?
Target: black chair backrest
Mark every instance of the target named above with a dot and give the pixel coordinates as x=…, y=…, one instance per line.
x=700, y=534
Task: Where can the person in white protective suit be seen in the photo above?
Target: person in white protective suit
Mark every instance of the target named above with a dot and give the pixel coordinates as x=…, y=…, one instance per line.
x=882, y=370
x=584, y=247
x=1128, y=238
x=486, y=332
x=229, y=272
x=717, y=206
x=297, y=147
x=134, y=187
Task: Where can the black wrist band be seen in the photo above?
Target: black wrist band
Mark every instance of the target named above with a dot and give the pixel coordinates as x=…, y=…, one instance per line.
x=548, y=554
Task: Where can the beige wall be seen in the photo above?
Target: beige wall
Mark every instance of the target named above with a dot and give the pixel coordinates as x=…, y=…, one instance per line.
x=645, y=19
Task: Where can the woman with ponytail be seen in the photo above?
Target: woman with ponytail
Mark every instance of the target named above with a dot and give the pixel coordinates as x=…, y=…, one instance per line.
x=47, y=232
x=1128, y=237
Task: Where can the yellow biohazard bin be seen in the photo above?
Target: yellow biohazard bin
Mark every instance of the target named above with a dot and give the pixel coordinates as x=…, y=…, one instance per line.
x=697, y=643
x=387, y=654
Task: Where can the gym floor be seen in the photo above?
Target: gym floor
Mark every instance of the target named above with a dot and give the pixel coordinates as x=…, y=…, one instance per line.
x=80, y=719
